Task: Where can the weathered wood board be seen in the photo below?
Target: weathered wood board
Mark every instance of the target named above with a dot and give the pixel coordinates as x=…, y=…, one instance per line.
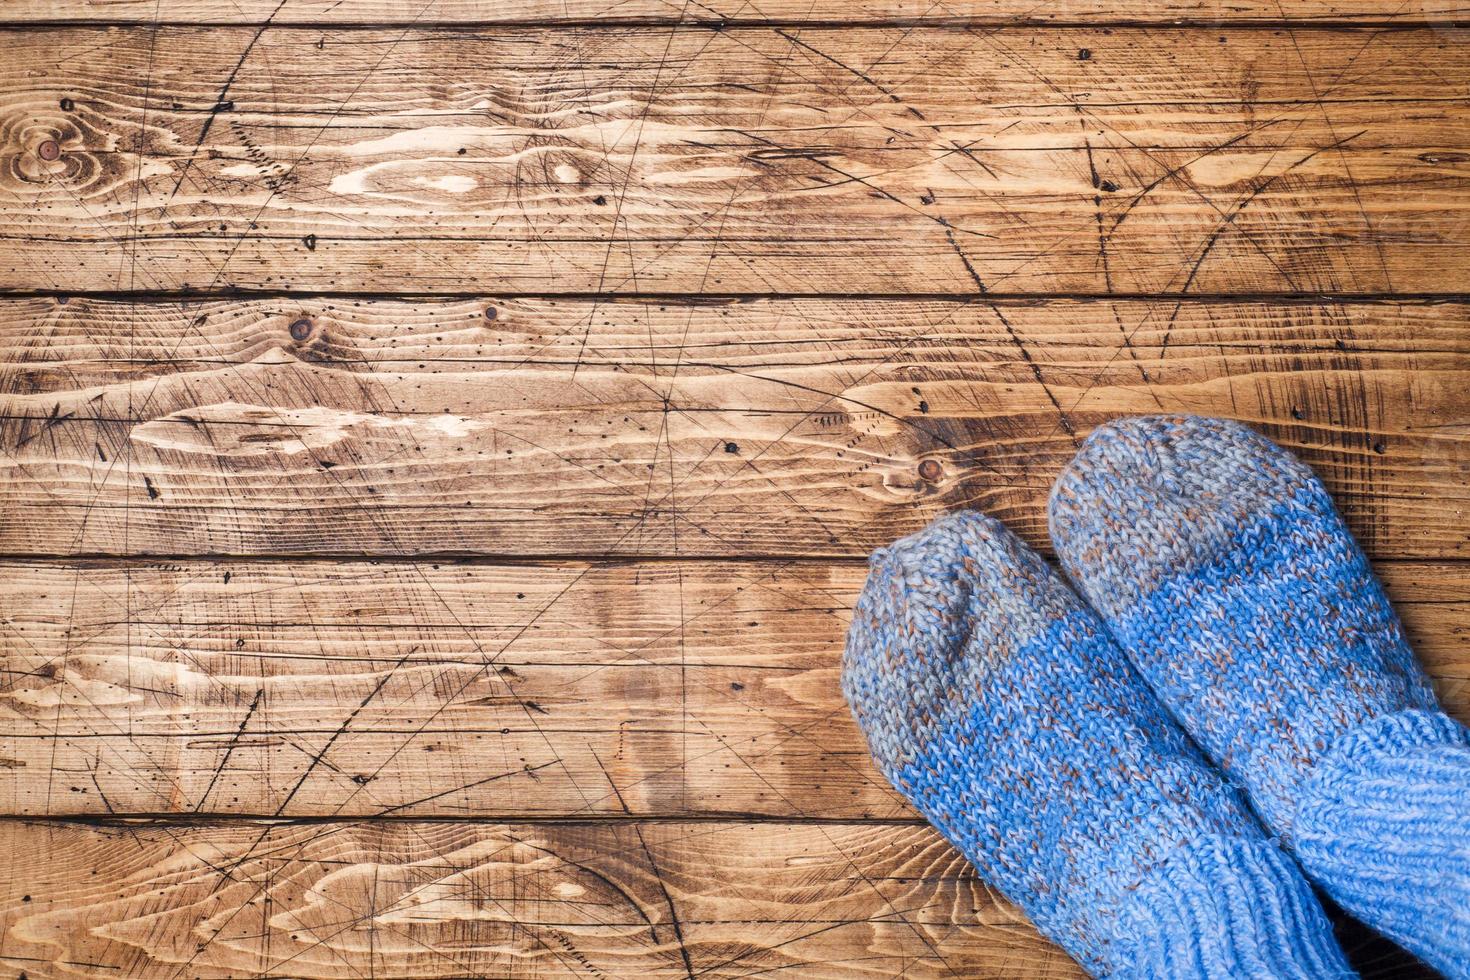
x=692, y=161
x=438, y=439
x=1445, y=14
x=404, y=899
x=801, y=427
x=403, y=689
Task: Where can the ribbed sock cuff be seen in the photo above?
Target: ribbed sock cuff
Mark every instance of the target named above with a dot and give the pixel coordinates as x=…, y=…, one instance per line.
x=1383, y=825
x=1224, y=908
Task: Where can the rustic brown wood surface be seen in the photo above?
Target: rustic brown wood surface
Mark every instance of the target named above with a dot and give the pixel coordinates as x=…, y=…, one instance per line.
x=748, y=160
x=404, y=899
x=443, y=689
x=804, y=427
x=439, y=439
x=1445, y=14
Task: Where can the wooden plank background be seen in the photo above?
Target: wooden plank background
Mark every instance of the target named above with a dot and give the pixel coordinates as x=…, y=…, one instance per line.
x=750, y=429
x=439, y=440
x=313, y=689
x=691, y=161
x=1446, y=14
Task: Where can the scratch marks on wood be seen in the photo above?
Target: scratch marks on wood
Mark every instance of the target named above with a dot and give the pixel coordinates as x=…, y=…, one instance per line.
x=1097, y=205
x=828, y=168
x=418, y=429
x=486, y=899
x=295, y=573
x=1062, y=420
x=222, y=103
x=864, y=76
x=174, y=717
x=229, y=749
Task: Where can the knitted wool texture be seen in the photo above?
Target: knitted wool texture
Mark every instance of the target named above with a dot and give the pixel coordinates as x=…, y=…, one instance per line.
x=993, y=699
x=1218, y=561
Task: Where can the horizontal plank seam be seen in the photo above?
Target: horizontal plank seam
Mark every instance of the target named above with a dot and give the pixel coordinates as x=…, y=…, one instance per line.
x=228, y=819
x=104, y=559
x=949, y=23
x=1295, y=298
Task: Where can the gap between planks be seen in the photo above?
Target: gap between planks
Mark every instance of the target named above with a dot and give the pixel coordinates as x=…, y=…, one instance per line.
x=572, y=560
x=163, y=819
x=941, y=23
x=147, y=297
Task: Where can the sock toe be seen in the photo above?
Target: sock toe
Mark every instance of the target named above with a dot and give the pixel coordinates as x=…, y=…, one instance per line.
x=1218, y=559
x=1150, y=497
x=910, y=644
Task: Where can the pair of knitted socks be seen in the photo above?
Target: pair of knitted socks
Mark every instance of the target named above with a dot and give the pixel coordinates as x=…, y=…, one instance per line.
x=1149, y=772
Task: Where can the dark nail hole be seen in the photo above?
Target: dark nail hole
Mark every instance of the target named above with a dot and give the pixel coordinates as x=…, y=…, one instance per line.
x=1084, y=55
x=49, y=150
x=930, y=470
x=1379, y=447
x=301, y=329
x=67, y=105
x=491, y=313
x=310, y=242
x=733, y=448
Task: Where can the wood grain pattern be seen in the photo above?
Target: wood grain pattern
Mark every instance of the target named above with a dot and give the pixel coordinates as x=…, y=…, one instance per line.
x=690, y=161
x=1448, y=14
x=438, y=439
x=355, y=689
x=517, y=901
x=801, y=427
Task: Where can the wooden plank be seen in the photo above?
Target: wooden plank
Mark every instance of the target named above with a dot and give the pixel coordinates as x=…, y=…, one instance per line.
x=322, y=689
x=515, y=901
x=737, y=161
x=422, y=13
x=786, y=428
x=356, y=689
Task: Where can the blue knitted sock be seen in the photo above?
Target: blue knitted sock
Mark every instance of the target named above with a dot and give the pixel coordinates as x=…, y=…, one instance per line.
x=1220, y=564
x=994, y=700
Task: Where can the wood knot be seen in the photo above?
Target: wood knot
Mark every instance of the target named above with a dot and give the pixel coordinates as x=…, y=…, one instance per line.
x=52, y=149
x=301, y=329
x=930, y=471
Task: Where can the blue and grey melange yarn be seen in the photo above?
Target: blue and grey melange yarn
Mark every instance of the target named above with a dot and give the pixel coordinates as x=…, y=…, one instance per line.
x=996, y=702
x=1221, y=566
